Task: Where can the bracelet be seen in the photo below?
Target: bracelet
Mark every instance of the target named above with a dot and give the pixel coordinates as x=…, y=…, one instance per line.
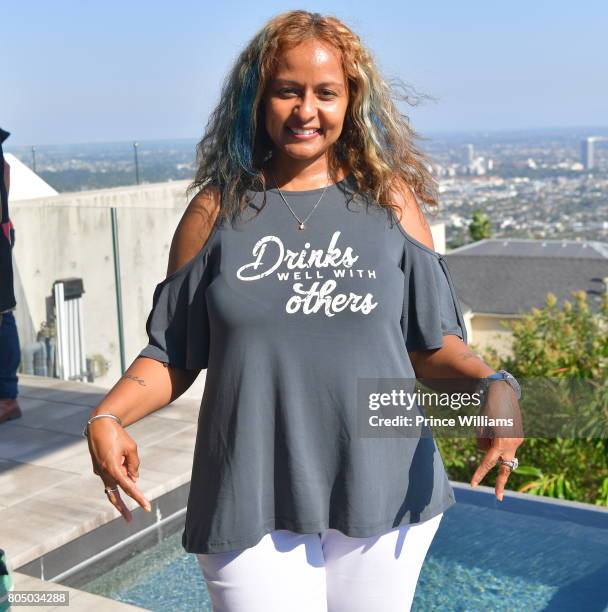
x=85, y=431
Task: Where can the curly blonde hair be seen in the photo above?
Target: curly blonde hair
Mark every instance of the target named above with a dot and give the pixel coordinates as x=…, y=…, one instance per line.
x=376, y=143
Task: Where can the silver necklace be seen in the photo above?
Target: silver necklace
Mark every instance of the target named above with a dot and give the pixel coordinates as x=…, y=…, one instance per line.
x=301, y=223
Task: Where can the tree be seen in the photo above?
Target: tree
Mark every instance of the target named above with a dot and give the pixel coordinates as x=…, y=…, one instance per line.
x=480, y=226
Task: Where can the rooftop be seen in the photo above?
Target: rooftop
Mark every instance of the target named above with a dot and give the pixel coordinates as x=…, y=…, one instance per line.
x=26, y=184
x=509, y=277
x=579, y=249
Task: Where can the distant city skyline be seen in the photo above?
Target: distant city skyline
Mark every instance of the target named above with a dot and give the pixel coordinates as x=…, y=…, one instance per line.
x=584, y=133
x=87, y=73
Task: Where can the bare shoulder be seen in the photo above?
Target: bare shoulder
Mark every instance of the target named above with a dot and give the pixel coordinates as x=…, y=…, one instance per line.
x=411, y=218
x=194, y=228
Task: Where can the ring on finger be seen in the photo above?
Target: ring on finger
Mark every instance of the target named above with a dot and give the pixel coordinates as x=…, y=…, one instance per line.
x=108, y=490
x=510, y=463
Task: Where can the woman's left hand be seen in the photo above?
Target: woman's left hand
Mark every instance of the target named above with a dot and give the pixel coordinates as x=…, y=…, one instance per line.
x=499, y=442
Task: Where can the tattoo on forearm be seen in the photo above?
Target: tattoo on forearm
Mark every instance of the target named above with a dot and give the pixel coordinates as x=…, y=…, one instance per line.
x=137, y=379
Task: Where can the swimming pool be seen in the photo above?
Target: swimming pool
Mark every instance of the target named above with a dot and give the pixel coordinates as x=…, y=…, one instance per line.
x=484, y=557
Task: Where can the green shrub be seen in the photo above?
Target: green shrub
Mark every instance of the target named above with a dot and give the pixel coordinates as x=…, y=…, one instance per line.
x=552, y=342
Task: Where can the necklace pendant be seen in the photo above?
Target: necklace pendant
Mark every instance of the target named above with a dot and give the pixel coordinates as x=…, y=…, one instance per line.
x=301, y=225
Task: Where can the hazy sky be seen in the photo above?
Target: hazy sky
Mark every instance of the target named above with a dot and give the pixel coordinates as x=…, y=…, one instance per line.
x=89, y=71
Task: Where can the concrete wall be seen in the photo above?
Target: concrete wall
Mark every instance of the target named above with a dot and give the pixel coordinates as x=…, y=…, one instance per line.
x=70, y=235
x=486, y=331
x=438, y=233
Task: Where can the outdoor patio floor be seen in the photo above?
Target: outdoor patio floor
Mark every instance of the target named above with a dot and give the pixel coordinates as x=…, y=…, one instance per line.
x=79, y=601
x=50, y=495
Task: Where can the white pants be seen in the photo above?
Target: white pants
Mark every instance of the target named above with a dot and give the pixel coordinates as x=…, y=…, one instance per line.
x=320, y=572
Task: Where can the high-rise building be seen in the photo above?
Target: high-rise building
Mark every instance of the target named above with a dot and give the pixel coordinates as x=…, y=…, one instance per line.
x=587, y=158
x=468, y=154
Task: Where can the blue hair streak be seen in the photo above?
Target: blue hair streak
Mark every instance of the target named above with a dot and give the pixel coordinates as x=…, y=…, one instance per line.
x=241, y=139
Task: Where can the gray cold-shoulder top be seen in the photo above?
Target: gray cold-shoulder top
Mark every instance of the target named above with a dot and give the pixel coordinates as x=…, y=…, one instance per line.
x=286, y=321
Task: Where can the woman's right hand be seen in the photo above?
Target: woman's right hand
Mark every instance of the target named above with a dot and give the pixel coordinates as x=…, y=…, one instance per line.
x=115, y=460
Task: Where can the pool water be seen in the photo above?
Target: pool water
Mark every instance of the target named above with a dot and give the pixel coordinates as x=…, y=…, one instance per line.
x=481, y=559
x=162, y=578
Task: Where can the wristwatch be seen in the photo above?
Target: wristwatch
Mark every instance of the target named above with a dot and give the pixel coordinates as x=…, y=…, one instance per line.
x=500, y=375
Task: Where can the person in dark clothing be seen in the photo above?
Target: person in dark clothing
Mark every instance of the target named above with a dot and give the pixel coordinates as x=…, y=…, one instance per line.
x=10, y=353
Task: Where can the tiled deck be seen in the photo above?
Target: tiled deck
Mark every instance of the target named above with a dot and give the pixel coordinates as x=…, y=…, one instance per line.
x=51, y=497
x=79, y=601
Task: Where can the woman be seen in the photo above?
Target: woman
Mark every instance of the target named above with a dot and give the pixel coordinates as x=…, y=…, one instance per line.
x=291, y=280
